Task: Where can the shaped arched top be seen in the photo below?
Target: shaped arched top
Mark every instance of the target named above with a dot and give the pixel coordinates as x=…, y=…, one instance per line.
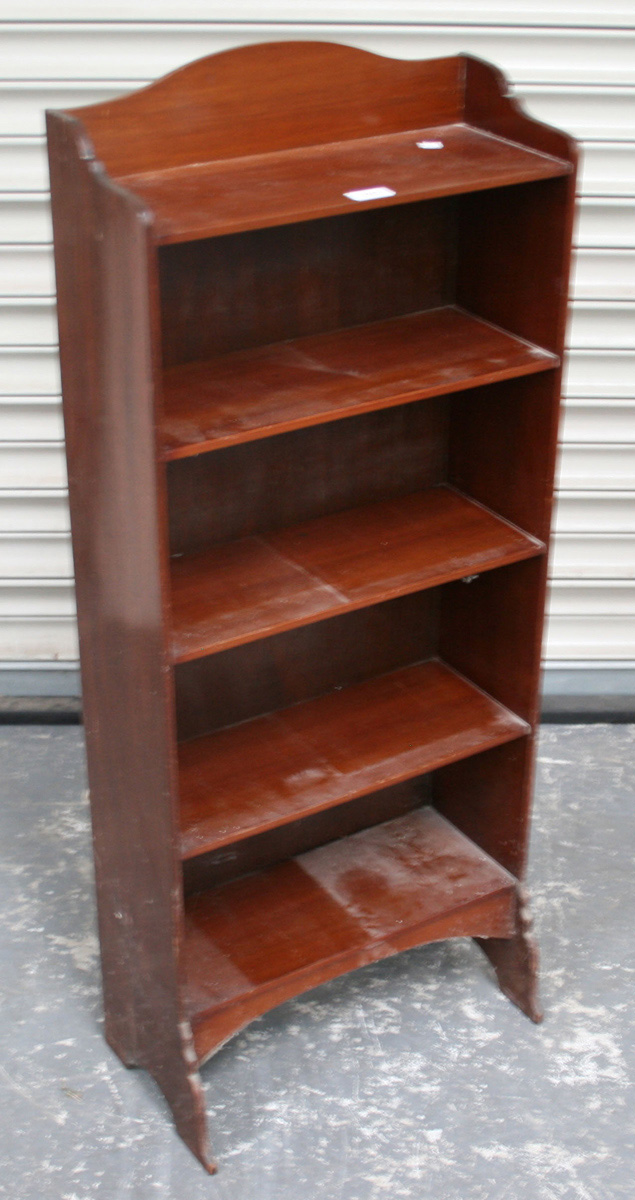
x=281, y=132
x=267, y=97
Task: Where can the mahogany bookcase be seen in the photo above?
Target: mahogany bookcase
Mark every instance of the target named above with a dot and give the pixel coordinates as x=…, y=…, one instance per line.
x=312, y=306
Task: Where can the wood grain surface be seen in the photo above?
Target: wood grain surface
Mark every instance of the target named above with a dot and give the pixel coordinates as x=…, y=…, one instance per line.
x=254, y=587
x=254, y=941
x=207, y=199
x=271, y=389
x=283, y=766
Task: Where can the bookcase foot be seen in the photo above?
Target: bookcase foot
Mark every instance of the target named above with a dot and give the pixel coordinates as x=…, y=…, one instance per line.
x=175, y=1069
x=515, y=961
x=179, y=1080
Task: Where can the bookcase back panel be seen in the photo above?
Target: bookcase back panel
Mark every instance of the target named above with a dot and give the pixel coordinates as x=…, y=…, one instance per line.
x=236, y=685
x=248, y=289
x=281, y=481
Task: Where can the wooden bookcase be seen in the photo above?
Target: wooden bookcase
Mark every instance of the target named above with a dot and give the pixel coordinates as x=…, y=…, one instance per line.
x=312, y=307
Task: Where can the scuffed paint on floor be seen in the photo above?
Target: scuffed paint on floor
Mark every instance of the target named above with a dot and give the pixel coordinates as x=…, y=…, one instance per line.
x=411, y=1078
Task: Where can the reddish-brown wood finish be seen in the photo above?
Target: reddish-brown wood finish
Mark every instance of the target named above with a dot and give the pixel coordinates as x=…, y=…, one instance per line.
x=280, y=482
x=302, y=663
x=281, y=767
x=274, y=845
x=361, y=402
x=102, y=243
x=253, y=942
x=251, y=588
x=289, y=281
x=266, y=98
x=256, y=393
x=207, y=199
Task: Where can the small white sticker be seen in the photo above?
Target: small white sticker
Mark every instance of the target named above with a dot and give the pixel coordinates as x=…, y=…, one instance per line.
x=378, y=193
x=430, y=145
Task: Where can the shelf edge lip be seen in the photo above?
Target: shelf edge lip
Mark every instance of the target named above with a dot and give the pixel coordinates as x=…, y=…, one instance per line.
x=534, y=550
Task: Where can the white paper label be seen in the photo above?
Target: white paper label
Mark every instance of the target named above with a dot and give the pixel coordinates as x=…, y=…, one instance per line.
x=430, y=145
x=377, y=193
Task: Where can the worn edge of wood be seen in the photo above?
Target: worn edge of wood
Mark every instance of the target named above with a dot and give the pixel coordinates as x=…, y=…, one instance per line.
x=173, y=1065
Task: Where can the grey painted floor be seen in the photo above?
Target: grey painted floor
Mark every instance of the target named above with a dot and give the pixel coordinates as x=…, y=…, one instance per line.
x=411, y=1078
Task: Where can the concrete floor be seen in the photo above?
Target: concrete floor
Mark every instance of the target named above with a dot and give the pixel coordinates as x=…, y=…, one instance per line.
x=411, y=1078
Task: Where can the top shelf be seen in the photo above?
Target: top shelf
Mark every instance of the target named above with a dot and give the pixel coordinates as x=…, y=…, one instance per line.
x=206, y=199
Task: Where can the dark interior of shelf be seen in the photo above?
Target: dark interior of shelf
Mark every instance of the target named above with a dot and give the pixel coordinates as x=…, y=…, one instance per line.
x=318, y=554
x=338, y=906
x=256, y=586
x=205, y=199
x=284, y=765
x=268, y=389
x=277, y=329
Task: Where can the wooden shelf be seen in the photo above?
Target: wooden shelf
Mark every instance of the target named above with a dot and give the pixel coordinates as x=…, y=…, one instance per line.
x=257, y=586
x=204, y=199
x=272, y=770
x=255, y=393
x=351, y=902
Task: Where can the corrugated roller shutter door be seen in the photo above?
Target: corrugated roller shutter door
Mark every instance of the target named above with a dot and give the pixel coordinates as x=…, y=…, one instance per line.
x=571, y=66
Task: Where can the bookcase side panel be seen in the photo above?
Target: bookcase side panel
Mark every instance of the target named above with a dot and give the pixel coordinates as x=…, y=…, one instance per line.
x=504, y=455
x=490, y=104
x=491, y=631
x=104, y=281
x=514, y=252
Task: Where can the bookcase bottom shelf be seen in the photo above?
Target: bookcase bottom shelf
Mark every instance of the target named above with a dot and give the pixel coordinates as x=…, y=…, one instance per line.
x=259, y=940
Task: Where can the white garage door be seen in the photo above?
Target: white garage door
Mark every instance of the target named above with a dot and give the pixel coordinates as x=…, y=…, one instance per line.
x=574, y=65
